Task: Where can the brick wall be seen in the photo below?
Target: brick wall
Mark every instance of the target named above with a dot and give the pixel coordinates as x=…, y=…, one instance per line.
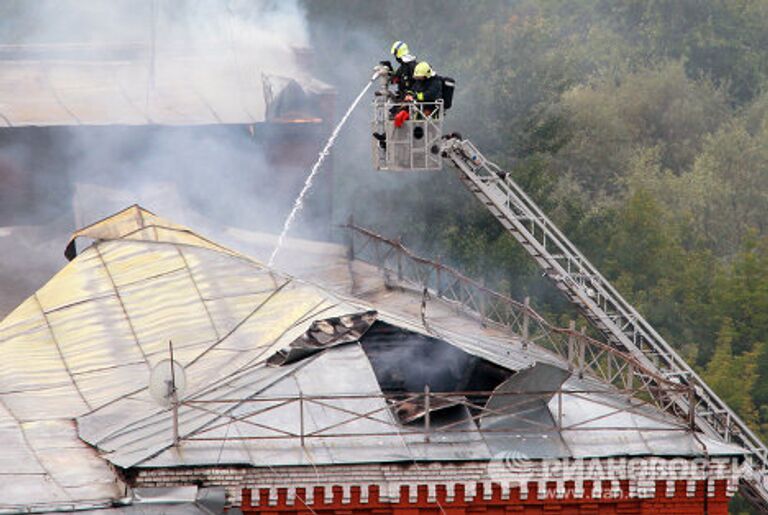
x=615, y=485
x=416, y=500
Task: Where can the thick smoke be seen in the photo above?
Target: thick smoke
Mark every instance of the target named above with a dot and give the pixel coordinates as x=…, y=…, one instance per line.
x=55, y=179
x=211, y=177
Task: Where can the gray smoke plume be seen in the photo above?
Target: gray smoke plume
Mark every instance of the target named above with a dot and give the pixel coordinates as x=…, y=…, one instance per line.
x=55, y=179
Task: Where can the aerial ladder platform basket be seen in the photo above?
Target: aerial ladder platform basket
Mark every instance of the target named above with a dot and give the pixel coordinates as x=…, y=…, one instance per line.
x=412, y=146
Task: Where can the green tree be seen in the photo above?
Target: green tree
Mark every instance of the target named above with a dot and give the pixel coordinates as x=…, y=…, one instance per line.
x=732, y=377
x=724, y=40
x=643, y=247
x=732, y=164
x=657, y=107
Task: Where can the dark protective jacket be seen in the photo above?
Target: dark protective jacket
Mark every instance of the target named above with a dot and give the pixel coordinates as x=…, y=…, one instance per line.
x=403, y=78
x=428, y=90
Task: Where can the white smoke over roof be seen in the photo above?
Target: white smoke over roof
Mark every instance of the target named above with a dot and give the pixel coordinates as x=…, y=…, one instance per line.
x=75, y=66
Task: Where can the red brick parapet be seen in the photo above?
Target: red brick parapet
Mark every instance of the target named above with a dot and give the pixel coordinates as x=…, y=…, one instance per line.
x=651, y=485
x=682, y=498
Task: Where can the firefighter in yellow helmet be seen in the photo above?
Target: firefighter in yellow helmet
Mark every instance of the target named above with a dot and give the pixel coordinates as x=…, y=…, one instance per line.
x=427, y=86
x=403, y=76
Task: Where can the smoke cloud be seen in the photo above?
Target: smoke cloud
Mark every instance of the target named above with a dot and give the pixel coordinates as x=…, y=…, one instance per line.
x=56, y=179
x=208, y=177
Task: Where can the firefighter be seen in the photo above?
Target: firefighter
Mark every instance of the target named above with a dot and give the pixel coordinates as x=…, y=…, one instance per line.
x=427, y=87
x=403, y=79
x=403, y=76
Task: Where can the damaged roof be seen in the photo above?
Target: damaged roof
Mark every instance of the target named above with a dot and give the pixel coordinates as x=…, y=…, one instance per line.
x=182, y=87
x=278, y=371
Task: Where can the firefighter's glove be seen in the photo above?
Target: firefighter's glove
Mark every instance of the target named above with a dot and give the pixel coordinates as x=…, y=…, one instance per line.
x=400, y=118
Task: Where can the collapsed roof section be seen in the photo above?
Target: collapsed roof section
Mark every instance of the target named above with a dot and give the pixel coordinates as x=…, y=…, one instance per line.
x=324, y=334
x=344, y=384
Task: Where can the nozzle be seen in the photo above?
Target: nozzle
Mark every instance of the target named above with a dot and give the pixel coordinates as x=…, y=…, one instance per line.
x=381, y=69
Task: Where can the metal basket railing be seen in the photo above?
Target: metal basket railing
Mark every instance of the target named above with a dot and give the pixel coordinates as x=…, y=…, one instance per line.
x=412, y=146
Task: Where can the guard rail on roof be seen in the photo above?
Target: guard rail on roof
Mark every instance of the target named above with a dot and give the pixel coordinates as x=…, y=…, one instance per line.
x=583, y=354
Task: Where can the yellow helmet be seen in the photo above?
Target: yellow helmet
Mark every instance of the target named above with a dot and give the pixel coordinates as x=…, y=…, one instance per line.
x=399, y=49
x=423, y=71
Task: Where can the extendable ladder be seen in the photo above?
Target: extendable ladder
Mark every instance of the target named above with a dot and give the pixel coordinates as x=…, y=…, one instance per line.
x=603, y=306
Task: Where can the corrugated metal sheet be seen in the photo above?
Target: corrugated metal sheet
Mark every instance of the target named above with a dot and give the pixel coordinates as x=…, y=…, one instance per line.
x=89, y=337
x=83, y=346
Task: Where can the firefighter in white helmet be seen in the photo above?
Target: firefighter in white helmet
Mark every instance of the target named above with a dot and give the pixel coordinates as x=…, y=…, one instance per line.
x=403, y=76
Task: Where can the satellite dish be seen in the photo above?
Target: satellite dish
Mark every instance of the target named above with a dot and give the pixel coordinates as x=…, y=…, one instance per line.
x=167, y=382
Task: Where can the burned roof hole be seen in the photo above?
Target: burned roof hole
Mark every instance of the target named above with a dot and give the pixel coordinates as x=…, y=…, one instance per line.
x=324, y=334
x=406, y=362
